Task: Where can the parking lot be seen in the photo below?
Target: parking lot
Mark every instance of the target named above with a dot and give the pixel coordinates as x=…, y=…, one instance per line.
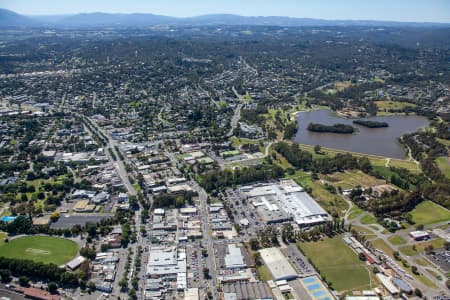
x=195, y=263
x=441, y=258
x=299, y=260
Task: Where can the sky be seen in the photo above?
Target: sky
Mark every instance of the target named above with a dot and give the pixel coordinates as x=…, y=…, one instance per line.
x=392, y=10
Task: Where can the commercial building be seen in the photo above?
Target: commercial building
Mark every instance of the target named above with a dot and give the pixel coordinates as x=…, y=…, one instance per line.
x=168, y=264
x=234, y=259
x=276, y=203
x=246, y=291
x=278, y=265
x=419, y=235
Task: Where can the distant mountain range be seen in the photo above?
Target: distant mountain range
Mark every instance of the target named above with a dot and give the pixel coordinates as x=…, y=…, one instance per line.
x=11, y=19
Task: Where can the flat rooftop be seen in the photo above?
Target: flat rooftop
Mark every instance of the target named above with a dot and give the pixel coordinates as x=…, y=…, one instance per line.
x=277, y=263
x=286, y=200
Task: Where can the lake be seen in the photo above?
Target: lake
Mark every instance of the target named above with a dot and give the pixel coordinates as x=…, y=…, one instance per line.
x=375, y=141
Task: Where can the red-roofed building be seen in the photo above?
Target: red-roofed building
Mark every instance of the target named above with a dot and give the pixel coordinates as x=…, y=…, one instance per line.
x=37, y=294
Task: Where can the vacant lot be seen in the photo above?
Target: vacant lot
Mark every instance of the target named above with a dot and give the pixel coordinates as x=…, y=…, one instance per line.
x=352, y=179
x=334, y=259
x=429, y=212
x=40, y=248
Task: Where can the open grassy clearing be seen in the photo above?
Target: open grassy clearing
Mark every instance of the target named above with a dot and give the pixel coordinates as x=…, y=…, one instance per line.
x=387, y=105
x=329, y=201
x=368, y=219
x=445, y=142
x=381, y=245
x=355, y=212
x=363, y=231
x=3, y=235
x=444, y=165
x=422, y=262
x=420, y=247
x=352, y=179
x=396, y=240
x=405, y=164
x=334, y=258
x=429, y=212
x=40, y=248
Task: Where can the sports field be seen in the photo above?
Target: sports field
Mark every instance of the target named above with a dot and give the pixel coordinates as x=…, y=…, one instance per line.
x=40, y=248
x=338, y=263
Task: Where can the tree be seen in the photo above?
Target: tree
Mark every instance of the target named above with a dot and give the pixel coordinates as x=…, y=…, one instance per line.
x=418, y=293
x=23, y=281
x=52, y=287
x=54, y=216
x=5, y=275
x=91, y=286
x=415, y=270
x=317, y=149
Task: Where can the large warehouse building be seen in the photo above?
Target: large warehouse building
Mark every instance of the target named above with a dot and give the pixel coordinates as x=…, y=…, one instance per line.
x=278, y=265
x=285, y=201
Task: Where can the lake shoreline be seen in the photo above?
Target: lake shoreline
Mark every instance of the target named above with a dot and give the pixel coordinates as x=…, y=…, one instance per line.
x=382, y=142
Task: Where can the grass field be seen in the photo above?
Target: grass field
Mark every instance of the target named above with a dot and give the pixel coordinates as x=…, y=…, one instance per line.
x=363, y=231
x=420, y=247
x=444, y=165
x=3, y=235
x=40, y=248
x=334, y=259
x=355, y=212
x=329, y=201
x=381, y=245
x=352, y=179
x=445, y=142
x=396, y=240
x=368, y=219
x=387, y=105
x=429, y=212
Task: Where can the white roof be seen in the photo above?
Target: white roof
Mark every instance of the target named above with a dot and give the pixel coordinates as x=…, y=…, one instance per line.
x=278, y=265
x=234, y=259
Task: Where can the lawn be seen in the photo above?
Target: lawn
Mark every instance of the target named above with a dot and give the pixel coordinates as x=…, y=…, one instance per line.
x=409, y=165
x=396, y=240
x=363, y=231
x=444, y=165
x=40, y=248
x=429, y=212
x=355, y=212
x=420, y=247
x=381, y=245
x=368, y=219
x=3, y=235
x=338, y=263
x=387, y=105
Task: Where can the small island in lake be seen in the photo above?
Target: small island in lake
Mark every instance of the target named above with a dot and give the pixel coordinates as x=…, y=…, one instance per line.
x=336, y=128
x=371, y=124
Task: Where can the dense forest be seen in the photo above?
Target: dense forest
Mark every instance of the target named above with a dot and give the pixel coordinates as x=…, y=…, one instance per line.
x=371, y=124
x=336, y=128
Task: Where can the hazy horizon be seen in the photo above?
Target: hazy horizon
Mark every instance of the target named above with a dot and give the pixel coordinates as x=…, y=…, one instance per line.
x=382, y=10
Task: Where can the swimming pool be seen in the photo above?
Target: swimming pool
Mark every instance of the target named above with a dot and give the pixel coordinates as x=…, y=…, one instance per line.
x=8, y=218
